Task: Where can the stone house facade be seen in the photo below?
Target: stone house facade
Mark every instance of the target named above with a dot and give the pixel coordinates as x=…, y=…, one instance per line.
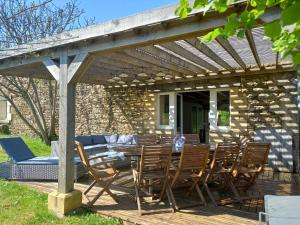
x=262, y=108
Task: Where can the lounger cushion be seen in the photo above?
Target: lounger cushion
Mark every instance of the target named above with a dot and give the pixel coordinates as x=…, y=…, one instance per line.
x=99, y=139
x=111, y=138
x=85, y=140
x=124, y=139
x=44, y=161
x=16, y=149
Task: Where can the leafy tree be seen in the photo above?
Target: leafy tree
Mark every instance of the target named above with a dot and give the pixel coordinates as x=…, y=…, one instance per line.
x=284, y=32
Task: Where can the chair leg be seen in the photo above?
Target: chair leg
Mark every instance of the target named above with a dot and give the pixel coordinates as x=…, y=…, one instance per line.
x=258, y=189
x=235, y=191
x=163, y=189
x=96, y=197
x=210, y=195
x=105, y=188
x=113, y=196
x=200, y=194
x=137, y=195
x=90, y=187
x=172, y=198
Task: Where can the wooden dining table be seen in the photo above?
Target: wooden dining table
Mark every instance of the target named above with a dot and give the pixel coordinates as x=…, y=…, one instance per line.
x=135, y=152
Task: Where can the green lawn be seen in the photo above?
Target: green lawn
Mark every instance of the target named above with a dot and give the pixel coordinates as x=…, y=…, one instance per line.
x=35, y=145
x=20, y=205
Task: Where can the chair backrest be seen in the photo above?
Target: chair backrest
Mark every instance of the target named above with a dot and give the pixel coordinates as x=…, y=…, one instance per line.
x=82, y=154
x=166, y=139
x=194, y=157
x=192, y=139
x=16, y=149
x=155, y=158
x=255, y=155
x=225, y=157
x=146, y=139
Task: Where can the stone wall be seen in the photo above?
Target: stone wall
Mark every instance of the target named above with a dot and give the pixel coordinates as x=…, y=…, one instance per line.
x=100, y=110
x=258, y=104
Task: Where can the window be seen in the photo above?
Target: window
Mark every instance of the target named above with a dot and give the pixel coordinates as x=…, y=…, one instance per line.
x=164, y=109
x=3, y=109
x=223, y=109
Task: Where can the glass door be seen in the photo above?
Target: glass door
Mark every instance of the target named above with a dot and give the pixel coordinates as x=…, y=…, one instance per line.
x=179, y=113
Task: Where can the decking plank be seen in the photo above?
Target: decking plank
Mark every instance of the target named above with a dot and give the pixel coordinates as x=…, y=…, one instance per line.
x=126, y=210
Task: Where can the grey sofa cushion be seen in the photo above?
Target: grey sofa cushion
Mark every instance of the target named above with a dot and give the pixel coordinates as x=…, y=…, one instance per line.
x=99, y=139
x=99, y=147
x=134, y=139
x=85, y=140
x=111, y=138
x=125, y=139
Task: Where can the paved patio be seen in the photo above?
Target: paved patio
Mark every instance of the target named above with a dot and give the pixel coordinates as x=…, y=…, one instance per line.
x=126, y=210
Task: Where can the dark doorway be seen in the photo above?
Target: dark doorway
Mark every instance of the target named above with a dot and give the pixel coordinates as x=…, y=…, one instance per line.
x=195, y=114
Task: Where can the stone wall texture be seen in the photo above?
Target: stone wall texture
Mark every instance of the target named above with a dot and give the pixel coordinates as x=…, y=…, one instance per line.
x=259, y=104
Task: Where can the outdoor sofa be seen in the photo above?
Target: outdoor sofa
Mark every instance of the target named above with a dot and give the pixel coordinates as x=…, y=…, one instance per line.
x=102, y=144
x=24, y=165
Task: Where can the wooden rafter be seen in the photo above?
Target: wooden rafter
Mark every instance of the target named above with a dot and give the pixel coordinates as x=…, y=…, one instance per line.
x=156, y=61
x=231, y=51
x=126, y=59
x=189, y=55
x=253, y=48
x=173, y=59
x=204, y=49
x=227, y=76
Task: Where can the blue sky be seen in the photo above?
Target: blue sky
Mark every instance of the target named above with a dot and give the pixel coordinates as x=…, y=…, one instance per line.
x=104, y=10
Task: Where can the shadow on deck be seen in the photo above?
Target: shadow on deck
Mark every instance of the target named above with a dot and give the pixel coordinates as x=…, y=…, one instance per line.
x=126, y=209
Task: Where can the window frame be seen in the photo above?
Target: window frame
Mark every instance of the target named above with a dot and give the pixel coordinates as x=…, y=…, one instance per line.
x=171, y=111
x=8, y=111
x=213, y=112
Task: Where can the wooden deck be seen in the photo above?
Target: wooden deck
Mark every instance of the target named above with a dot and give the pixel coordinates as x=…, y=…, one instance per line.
x=126, y=209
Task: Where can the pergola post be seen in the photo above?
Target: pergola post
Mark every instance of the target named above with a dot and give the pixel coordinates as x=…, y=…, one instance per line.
x=66, y=199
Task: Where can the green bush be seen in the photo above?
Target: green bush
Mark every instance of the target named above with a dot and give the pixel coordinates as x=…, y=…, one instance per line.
x=4, y=129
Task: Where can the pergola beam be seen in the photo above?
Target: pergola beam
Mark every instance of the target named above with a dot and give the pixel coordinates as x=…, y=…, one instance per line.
x=173, y=59
x=140, y=63
x=231, y=51
x=253, y=48
x=189, y=56
x=204, y=49
x=156, y=61
x=79, y=66
x=228, y=75
x=120, y=38
x=123, y=67
x=52, y=67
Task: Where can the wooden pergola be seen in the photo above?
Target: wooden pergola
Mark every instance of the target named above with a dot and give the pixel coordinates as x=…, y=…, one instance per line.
x=151, y=48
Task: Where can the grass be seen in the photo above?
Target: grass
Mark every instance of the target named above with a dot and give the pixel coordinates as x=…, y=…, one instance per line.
x=35, y=145
x=21, y=205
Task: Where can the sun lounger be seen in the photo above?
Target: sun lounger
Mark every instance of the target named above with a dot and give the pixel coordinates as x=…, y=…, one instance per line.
x=24, y=165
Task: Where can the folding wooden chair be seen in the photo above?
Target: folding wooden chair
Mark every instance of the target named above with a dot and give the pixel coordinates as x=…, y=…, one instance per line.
x=220, y=170
x=104, y=177
x=252, y=163
x=146, y=139
x=191, y=168
x=153, y=168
